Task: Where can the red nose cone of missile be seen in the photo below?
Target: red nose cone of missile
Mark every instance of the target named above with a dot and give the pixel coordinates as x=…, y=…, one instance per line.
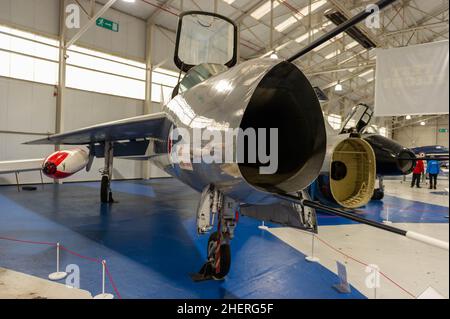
x=63, y=164
x=49, y=169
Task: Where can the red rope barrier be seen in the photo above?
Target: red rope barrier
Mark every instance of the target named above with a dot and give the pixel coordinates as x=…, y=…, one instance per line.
x=28, y=241
x=364, y=264
x=94, y=260
x=112, y=282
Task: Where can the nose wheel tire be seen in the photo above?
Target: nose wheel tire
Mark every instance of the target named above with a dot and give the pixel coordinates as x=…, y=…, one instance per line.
x=225, y=257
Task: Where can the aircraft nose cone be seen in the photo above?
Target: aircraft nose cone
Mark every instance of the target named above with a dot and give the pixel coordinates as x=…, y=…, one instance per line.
x=49, y=169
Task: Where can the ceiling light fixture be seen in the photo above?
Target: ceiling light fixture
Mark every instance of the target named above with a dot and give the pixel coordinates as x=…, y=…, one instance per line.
x=274, y=56
x=338, y=87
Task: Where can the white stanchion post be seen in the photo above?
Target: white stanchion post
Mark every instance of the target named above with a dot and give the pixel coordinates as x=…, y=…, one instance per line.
x=387, y=221
x=104, y=295
x=58, y=275
x=311, y=258
x=263, y=226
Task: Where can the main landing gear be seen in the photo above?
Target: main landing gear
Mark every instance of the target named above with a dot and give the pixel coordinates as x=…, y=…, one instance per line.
x=213, y=203
x=105, y=188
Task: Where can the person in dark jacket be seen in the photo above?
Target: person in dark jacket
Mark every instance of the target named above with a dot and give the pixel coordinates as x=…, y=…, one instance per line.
x=417, y=173
x=433, y=172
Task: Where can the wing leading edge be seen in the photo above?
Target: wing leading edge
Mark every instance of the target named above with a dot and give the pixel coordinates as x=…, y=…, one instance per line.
x=154, y=126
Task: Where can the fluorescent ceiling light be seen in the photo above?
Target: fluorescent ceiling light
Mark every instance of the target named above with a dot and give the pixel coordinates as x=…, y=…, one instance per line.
x=320, y=47
x=129, y=1
x=352, y=57
x=297, y=17
x=306, y=36
x=313, y=32
x=264, y=9
x=229, y=1
x=314, y=7
x=351, y=45
x=332, y=54
x=286, y=24
x=365, y=73
x=279, y=48
x=338, y=87
x=323, y=45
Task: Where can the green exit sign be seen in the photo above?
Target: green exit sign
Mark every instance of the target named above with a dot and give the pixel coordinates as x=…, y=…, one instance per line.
x=107, y=24
x=443, y=130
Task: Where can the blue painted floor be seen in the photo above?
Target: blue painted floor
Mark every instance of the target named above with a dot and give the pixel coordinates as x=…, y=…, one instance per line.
x=150, y=244
x=396, y=210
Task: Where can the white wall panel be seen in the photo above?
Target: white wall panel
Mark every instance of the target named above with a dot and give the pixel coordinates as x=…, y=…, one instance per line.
x=86, y=108
x=416, y=136
x=41, y=15
x=128, y=42
x=26, y=106
x=12, y=148
x=163, y=49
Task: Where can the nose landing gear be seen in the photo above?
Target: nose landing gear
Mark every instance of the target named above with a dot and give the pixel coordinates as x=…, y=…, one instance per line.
x=218, y=262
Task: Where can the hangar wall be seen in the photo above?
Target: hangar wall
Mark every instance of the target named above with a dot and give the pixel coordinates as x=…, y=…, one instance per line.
x=128, y=42
x=418, y=135
x=35, y=15
x=30, y=107
x=26, y=106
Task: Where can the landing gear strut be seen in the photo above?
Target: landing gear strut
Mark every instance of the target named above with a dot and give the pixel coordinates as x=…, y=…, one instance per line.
x=212, y=204
x=378, y=193
x=105, y=189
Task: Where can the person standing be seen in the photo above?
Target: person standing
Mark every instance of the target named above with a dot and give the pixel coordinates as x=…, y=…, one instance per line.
x=417, y=173
x=433, y=172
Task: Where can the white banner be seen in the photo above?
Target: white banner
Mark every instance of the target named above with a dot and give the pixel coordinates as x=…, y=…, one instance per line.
x=412, y=80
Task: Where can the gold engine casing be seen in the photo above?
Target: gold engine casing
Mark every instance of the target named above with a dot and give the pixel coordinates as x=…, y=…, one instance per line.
x=353, y=173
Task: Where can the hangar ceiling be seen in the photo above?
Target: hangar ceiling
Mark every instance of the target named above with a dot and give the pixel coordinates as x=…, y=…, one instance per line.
x=291, y=26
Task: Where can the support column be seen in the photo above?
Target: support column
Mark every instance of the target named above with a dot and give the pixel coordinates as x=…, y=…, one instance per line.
x=59, y=125
x=148, y=108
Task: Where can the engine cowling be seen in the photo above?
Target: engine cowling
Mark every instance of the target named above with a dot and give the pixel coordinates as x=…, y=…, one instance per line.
x=349, y=172
x=63, y=164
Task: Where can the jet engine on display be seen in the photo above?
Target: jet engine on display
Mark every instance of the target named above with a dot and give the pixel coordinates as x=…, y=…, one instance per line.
x=352, y=172
x=356, y=159
x=62, y=164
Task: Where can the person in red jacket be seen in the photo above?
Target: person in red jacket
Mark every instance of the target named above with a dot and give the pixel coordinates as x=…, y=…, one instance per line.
x=417, y=173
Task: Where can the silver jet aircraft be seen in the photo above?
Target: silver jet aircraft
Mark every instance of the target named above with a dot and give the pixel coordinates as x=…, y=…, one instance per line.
x=279, y=148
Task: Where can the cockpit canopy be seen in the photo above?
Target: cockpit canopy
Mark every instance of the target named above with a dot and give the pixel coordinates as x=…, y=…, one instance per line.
x=358, y=119
x=204, y=37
